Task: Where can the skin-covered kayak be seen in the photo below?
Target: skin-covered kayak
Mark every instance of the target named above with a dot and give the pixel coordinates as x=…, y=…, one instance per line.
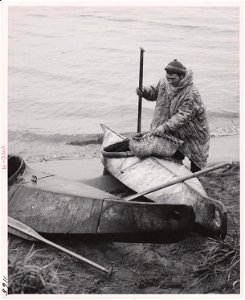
x=141, y=174
x=51, y=204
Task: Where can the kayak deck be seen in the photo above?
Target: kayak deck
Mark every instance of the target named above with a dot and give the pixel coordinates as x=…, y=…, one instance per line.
x=53, y=205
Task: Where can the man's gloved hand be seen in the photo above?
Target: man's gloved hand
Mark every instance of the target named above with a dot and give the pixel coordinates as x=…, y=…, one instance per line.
x=160, y=130
x=140, y=92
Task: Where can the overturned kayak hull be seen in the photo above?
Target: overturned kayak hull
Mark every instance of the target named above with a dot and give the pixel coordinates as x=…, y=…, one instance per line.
x=51, y=204
x=141, y=174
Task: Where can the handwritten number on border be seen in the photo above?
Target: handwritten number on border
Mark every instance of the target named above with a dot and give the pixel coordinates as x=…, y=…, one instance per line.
x=5, y=286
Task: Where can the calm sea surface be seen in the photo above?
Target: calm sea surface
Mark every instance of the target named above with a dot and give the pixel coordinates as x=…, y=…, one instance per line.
x=72, y=68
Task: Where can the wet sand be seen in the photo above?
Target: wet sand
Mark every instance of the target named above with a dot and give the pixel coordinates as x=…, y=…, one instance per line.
x=222, y=149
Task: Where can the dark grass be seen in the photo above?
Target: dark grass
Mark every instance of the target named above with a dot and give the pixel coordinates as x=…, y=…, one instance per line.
x=28, y=278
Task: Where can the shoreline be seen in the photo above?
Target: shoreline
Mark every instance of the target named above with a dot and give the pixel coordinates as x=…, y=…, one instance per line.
x=222, y=149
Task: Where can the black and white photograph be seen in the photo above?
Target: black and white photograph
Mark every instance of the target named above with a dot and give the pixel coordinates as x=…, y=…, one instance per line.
x=122, y=149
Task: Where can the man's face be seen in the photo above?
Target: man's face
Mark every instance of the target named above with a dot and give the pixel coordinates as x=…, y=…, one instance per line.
x=173, y=78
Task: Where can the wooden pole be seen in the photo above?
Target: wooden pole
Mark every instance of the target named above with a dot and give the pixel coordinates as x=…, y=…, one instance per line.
x=175, y=181
x=140, y=87
x=19, y=226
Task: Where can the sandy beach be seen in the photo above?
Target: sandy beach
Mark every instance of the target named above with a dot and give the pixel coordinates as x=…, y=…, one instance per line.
x=142, y=268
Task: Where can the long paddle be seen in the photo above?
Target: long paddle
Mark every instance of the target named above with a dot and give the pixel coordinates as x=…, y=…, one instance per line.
x=175, y=181
x=19, y=226
x=140, y=87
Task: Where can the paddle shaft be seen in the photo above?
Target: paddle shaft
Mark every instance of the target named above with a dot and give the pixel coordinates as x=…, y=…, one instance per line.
x=175, y=181
x=29, y=231
x=77, y=256
x=140, y=87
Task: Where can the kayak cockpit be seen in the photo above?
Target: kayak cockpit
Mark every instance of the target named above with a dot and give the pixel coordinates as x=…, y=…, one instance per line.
x=118, y=149
x=16, y=167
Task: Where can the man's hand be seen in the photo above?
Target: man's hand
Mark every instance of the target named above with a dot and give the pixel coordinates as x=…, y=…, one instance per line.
x=139, y=92
x=160, y=130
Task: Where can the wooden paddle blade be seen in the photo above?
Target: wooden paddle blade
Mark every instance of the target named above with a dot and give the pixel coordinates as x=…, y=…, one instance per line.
x=26, y=230
x=23, y=228
x=21, y=234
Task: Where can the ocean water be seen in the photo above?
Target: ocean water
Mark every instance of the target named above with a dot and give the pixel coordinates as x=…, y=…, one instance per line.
x=73, y=68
